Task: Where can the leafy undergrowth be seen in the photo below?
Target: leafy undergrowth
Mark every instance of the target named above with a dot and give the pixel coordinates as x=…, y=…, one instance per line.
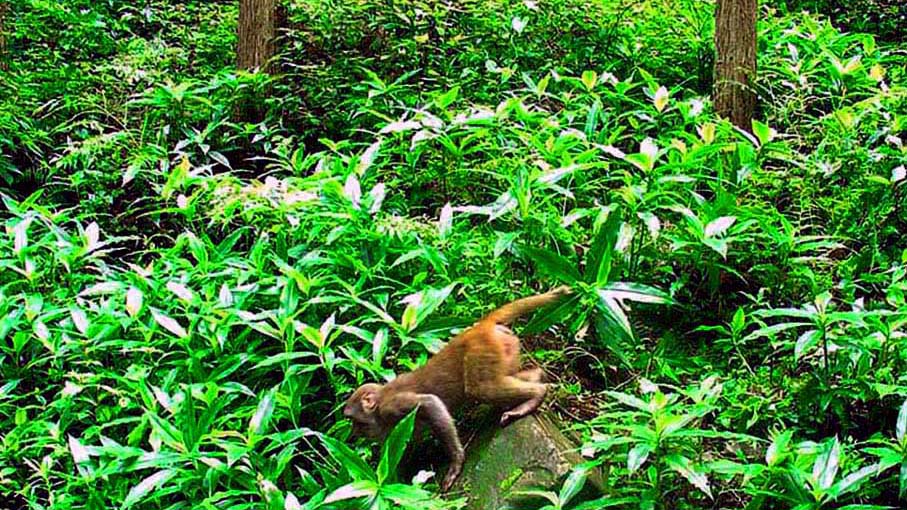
x=185, y=299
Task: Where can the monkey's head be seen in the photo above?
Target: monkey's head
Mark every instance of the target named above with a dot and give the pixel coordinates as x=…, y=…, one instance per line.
x=362, y=409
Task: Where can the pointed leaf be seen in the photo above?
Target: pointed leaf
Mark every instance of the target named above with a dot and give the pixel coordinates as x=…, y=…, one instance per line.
x=169, y=324
x=394, y=446
x=262, y=417
x=552, y=264
x=637, y=456
x=147, y=485
x=686, y=469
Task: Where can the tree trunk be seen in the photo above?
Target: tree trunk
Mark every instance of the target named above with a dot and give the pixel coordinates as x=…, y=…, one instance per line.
x=735, y=61
x=4, y=10
x=256, y=33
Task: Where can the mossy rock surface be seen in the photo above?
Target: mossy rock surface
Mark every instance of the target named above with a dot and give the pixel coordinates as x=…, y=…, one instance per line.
x=531, y=453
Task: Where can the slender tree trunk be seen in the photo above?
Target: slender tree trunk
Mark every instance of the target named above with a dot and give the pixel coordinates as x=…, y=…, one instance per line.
x=4, y=11
x=735, y=61
x=256, y=46
x=257, y=32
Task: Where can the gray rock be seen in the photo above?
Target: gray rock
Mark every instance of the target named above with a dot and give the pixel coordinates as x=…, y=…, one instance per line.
x=531, y=453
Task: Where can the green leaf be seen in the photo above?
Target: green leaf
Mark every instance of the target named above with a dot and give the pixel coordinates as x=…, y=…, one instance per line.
x=853, y=481
x=572, y=485
x=635, y=292
x=169, y=324
x=637, y=456
x=348, y=459
x=170, y=435
x=901, y=427
x=825, y=468
x=262, y=417
x=553, y=264
x=630, y=400
x=355, y=490
x=778, y=450
x=542, y=321
x=764, y=133
x=147, y=485
x=806, y=341
x=394, y=446
x=685, y=467
x=598, y=259
x=589, y=79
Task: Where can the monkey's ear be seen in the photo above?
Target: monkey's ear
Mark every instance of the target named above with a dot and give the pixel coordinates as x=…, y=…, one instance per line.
x=369, y=401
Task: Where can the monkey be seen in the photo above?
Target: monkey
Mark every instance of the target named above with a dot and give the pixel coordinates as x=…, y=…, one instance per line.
x=481, y=364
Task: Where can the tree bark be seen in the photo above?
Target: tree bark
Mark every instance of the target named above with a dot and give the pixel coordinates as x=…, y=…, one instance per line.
x=256, y=34
x=735, y=61
x=4, y=10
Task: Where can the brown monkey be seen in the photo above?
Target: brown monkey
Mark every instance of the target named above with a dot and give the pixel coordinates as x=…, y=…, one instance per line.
x=480, y=364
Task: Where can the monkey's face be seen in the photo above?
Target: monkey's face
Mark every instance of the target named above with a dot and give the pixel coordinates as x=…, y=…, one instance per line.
x=361, y=408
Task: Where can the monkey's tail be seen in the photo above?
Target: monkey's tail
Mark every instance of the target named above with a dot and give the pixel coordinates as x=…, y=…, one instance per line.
x=511, y=311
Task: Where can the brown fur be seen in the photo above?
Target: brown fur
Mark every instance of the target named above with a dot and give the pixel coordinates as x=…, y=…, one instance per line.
x=481, y=364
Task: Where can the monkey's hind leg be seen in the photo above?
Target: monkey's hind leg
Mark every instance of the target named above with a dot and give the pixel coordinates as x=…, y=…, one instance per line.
x=517, y=396
x=534, y=375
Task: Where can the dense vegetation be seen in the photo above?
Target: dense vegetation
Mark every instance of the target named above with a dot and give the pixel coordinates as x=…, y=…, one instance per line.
x=186, y=299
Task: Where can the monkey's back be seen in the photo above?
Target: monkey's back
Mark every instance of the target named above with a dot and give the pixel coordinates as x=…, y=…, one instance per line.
x=442, y=375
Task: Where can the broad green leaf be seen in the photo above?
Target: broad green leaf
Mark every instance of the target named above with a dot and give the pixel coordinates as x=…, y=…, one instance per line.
x=853, y=481
x=552, y=264
x=181, y=291
x=368, y=158
x=102, y=288
x=719, y=226
x=764, y=133
x=572, y=485
x=589, y=79
x=542, y=321
x=635, y=292
x=685, y=467
x=79, y=319
x=446, y=220
x=825, y=468
x=170, y=435
x=778, y=450
x=169, y=324
x=805, y=342
x=613, y=313
x=661, y=98
x=598, y=259
x=348, y=459
x=258, y=425
x=394, y=447
x=901, y=427
x=637, y=456
x=355, y=490
x=352, y=191
x=146, y=486
x=630, y=400
x=79, y=452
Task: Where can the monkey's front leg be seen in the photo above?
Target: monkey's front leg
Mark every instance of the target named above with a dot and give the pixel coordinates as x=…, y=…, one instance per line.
x=433, y=412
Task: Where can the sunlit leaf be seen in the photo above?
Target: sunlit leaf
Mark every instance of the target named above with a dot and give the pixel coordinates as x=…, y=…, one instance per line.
x=169, y=323
x=719, y=226
x=661, y=98
x=262, y=417
x=79, y=319
x=693, y=474
x=146, y=486
x=133, y=301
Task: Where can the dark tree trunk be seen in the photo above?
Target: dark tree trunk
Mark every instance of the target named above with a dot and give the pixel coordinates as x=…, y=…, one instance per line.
x=256, y=34
x=4, y=10
x=735, y=61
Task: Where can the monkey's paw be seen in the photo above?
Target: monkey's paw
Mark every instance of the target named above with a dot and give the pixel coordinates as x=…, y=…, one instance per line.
x=563, y=290
x=453, y=472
